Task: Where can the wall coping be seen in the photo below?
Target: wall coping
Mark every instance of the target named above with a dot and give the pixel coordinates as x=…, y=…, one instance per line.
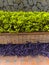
x=32, y=33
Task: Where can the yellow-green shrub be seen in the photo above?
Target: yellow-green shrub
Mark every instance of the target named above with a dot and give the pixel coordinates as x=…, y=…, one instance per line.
x=24, y=21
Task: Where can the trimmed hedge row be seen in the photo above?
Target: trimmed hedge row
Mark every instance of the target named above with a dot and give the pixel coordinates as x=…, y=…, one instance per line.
x=24, y=21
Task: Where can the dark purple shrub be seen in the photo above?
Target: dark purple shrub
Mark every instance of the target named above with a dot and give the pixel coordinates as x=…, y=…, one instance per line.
x=32, y=49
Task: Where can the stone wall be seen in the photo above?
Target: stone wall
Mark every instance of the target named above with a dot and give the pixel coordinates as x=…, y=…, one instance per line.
x=20, y=38
x=24, y=5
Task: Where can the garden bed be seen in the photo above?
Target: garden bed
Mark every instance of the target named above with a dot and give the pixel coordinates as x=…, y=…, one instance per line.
x=15, y=25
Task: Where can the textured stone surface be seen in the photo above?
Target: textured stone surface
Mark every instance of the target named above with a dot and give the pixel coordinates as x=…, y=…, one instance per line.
x=15, y=6
x=1, y=3
x=18, y=1
x=34, y=8
x=10, y=2
x=20, y=6
x=30, y=2
x=5, y=3
x=25, y=2
x=24, y=5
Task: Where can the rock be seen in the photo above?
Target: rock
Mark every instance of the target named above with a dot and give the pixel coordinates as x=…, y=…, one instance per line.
x=25, y=2
x=27, y=8
x=1, y=3
x=34, y=8
x=8, y=8
x=18, y=1
x=48, y=10
x=30, y=2
x=10, y=2
x=43, y=2
x=12, y=8
x=2, y=0
x=14, y=1
x=40, y=0
x=15, y=6
x=20, y=6
x=26, y=5
x=35, y=1
x=47, y=2
x=45, y=8
x=5, y=3
x=39, y=5
x=4, y=8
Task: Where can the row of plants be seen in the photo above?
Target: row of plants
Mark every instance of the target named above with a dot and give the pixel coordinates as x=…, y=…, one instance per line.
x=23, y=21
x=25, y=49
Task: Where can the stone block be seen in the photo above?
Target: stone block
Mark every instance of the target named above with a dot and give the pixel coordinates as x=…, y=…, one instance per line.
x=47, y=2
x=34, y=8
x=46, y=8
x=39, y=5
x=20, y=6
x=26, y=5
x=4, y=8
x=25, y=2
x=12, y=8
x=35, y=1
x=5, y=3
x=43, y=2
x=18, y=1
x=10, y=2
x=27, y=8
x=1, y=3
x=30, y=2
x=7, y=8
x=15, y=6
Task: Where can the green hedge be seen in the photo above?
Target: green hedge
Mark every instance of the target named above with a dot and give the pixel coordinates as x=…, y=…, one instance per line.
x=24, y=21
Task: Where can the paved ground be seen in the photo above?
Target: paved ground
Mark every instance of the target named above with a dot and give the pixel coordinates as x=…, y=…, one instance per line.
x=39, y=60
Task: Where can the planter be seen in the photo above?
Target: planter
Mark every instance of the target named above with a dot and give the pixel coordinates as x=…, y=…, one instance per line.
x=19, y=38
